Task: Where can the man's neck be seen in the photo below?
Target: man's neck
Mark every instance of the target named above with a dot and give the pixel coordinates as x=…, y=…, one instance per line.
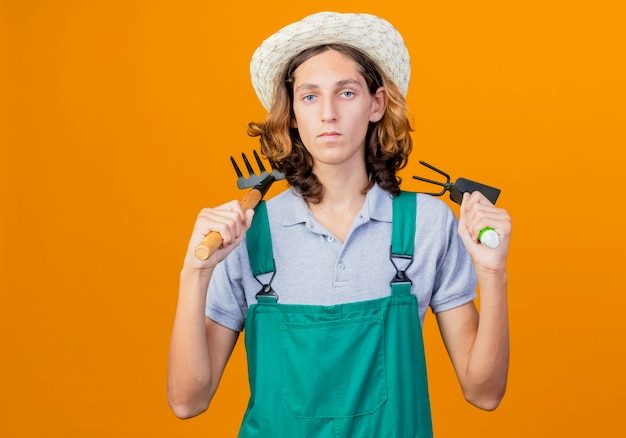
x=342, y=189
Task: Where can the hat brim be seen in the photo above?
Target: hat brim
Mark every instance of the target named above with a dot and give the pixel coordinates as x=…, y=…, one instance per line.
x=372, y=35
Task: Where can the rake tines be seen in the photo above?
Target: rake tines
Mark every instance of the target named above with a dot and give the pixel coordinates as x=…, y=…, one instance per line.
x=253, y=179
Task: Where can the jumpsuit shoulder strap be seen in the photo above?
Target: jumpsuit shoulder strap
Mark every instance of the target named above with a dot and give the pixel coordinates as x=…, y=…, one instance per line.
x=403, y=224
x=259, y=242
x=260, y=253
x=403, y=239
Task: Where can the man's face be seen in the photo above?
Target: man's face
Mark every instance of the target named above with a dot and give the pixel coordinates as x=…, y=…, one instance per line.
x=333, y=108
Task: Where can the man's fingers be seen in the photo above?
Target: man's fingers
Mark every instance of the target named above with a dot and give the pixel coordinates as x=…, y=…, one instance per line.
x=227, y=225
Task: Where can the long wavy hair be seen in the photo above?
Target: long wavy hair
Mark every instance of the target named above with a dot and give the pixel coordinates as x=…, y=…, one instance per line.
x=388, y=143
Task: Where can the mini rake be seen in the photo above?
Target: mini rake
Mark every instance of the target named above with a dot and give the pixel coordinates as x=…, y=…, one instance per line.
x=260, y=184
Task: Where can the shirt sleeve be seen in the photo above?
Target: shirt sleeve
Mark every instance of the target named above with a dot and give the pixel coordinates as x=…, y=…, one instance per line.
x=225, y=294
x=455, y=281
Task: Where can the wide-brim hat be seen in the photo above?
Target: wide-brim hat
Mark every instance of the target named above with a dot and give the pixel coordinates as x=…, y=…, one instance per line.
x=373, y=35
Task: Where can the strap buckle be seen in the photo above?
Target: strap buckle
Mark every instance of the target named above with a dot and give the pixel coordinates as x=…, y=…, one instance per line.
x=266, y=291
x=266, y=288
x=400, y=276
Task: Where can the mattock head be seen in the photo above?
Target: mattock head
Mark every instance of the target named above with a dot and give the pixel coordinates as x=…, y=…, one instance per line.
x=459, y=187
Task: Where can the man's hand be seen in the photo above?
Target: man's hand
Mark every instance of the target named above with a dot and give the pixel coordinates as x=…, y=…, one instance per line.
x=477, y=212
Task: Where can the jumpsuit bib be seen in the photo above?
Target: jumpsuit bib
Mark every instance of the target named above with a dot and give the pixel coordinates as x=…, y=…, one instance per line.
x=348, y=370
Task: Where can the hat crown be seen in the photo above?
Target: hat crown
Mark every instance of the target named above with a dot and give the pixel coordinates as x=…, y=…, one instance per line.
x=373, y=35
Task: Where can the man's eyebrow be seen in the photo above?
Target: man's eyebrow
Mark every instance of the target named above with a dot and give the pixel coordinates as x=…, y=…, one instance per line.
x=338, y=84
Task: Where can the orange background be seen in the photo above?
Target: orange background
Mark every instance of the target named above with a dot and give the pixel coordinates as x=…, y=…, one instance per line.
x=118, y=118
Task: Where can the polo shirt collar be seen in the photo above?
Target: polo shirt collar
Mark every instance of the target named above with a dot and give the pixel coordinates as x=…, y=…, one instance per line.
x=299, y=211
x=379, y=203
x=377, y=206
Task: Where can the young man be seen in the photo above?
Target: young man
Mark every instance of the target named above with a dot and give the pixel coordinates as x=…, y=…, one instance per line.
x=333, y=279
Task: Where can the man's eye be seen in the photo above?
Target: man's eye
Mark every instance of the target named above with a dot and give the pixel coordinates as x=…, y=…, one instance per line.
x=307, y=97
x=348, y=92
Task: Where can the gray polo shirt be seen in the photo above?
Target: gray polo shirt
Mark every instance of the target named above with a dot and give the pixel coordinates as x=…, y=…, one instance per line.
x=314, y=267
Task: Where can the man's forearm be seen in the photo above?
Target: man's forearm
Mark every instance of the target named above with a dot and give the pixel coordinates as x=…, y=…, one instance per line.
x=189, y=370
x=488, y=365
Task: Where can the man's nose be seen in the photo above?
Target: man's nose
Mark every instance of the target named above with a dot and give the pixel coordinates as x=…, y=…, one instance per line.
x=329, y=109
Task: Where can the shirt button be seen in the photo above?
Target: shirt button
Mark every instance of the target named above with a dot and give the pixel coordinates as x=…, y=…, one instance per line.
x=341, y=266
x=331, y=238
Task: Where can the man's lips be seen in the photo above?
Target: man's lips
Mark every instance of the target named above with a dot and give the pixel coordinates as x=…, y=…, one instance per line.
x=328, y=134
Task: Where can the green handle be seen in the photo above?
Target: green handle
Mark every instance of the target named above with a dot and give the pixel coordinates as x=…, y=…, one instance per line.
x=488, y=237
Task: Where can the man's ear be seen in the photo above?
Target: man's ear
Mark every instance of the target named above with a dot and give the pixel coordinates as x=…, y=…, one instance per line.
x=379, y=100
